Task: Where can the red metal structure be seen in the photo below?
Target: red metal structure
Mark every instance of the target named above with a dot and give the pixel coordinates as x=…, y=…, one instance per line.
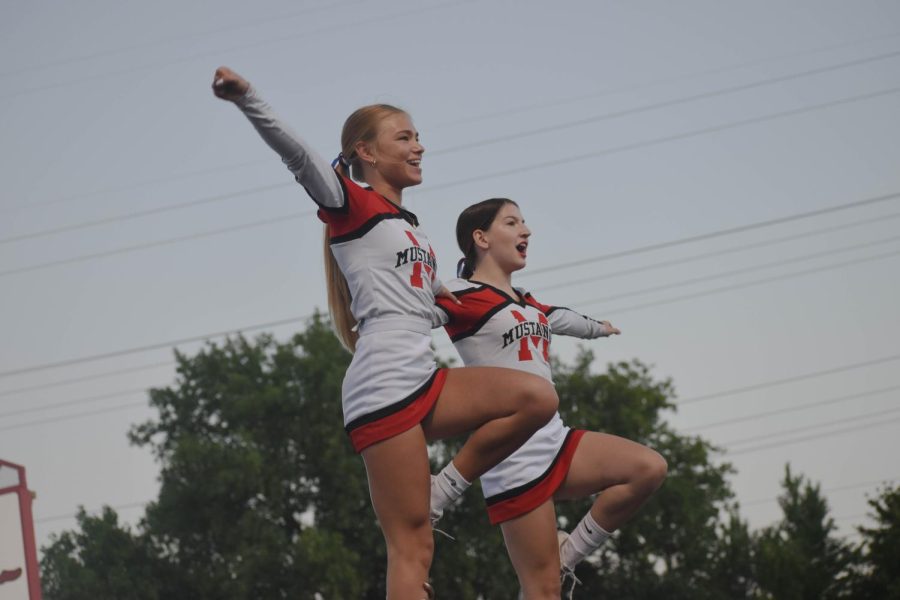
x=20, y=579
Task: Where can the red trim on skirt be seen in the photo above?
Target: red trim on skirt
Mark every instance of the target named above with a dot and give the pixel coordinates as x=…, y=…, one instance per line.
x=396, y=423
x=533, y=497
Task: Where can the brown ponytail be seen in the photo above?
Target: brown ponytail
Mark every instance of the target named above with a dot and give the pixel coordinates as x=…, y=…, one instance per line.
x=479, y=216
x=361, y=126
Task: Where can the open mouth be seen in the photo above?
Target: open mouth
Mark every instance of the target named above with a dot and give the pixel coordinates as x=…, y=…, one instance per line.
x=522, y=249
x=417, y=163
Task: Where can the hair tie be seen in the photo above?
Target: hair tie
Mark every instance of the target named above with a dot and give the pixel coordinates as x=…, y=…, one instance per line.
x=461, y=268
x=340, y=160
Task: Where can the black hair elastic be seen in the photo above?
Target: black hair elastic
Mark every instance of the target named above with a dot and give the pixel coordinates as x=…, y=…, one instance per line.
x=461, y=267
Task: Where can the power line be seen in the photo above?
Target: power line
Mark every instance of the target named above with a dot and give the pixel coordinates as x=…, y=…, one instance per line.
x=73, y=515
x=718, y=233
x=812, y=437
x=296, y=319
x=136, y=185
x=792, y=379
x=217, y=53
x=695, y=399
x=521, y=134
x=855, y=517
x=730, y=452
x=633, y=251
x=640, y=86
x=103, y=375
x=44, y=407
x=790, y=409
x=851, y=486
x=165, y=242
x=664, y=104
x=671, y=138
x=168, y=363
x=741, y=271
x=188, y=36
x=144, y=213
x=748, y=284
x=840, y=421
x=75, y=416
x=816, y=404
x=550, y=163
x=216, y=169
x=719, y=252
x=156, y=346
x=743, y=504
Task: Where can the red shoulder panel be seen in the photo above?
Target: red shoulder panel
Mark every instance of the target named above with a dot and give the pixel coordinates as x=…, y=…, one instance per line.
x=477, y=305
x=544, y=308
x=362, y=206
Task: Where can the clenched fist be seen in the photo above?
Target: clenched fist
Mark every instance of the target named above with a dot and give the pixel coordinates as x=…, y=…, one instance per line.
x=228, y=85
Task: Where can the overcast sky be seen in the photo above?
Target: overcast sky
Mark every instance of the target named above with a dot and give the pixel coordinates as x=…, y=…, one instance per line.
x=138, y=210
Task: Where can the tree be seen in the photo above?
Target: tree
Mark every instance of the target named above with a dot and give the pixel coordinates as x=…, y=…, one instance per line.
x=105, y=561
x=731, y=569
x=800, y=557
x=669, y=548
x=262, y=496
x=879, y=575
x=261, y=493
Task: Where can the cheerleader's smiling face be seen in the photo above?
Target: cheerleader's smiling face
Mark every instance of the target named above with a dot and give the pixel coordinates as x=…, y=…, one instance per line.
x=396, y=152
x=505, y=242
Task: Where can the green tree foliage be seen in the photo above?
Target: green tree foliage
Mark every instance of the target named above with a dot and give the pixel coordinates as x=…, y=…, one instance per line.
x=879, y=575
x=668, y=549
x=731, y=567
x=262, y=496
x=104, y=560
x=800, y=557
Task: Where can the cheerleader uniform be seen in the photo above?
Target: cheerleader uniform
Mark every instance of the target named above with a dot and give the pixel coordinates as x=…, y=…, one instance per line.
x=490, y=328
x=393, y=381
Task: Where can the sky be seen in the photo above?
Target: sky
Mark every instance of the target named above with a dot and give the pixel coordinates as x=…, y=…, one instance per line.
x=719, y=180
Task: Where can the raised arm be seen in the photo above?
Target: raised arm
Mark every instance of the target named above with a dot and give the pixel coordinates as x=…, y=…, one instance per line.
x=310, y=170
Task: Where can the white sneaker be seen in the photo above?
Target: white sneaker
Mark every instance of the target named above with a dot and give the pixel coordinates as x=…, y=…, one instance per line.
x=561, y=537
x=435, y=513
x=566, y=575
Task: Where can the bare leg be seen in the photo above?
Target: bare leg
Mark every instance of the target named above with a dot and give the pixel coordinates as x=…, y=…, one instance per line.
x=503, y=407
x=626, y=472
x=532, y=547
x=400, y=497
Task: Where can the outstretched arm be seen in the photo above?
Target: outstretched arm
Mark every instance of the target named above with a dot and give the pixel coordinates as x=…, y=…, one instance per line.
x=310, y=170
x=565, y=321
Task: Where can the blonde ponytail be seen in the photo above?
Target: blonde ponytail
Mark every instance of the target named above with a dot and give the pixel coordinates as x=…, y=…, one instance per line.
x=361, y=126
x=339, y=299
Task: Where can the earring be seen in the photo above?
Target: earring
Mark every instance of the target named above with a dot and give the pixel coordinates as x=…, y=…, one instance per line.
x=373, y=163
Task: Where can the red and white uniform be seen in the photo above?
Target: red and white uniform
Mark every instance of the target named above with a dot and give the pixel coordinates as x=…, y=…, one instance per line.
x=393, y=380
x=491, y=328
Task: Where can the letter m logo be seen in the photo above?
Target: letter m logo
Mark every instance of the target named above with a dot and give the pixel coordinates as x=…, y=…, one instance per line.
x=539, y=343
x=415, y=279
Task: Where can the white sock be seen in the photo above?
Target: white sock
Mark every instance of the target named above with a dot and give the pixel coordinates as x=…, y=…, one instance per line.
x=447, y=486
x=584, y=539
